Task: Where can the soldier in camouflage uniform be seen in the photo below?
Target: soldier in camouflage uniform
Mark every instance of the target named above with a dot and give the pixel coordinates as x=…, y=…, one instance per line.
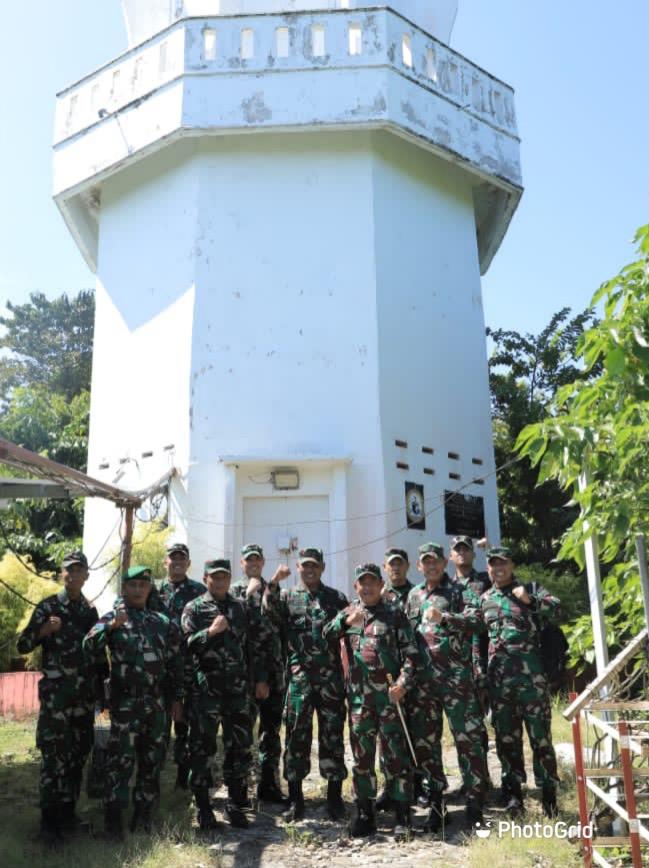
x=67, y=696
x=174, y=593
x=315, y=680
x=144, y=648
x=383, y=657
x=518, y=688
x=250, y=591
x=225, y=648
x=396, y=565
x=444, y=617
x=463, y=556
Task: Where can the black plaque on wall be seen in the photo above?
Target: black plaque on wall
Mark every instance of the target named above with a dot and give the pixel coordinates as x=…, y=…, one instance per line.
x=415, y=506
x=464, y=515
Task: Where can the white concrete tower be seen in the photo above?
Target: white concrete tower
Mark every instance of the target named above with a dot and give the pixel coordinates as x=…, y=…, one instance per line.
x=288, y=205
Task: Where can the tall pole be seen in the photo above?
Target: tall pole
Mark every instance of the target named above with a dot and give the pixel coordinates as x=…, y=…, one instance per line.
x=641, y=551
x=595, y=593
x=127, y=543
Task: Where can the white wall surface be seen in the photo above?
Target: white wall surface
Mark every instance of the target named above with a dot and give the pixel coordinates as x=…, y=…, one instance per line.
x=293, y=301
x=433, y=360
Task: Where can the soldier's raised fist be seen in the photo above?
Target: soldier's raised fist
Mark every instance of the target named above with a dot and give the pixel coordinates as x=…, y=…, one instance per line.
x=281, y=573
x=355, y=616
x=119, y=620
x=52, y=625
x=218, y=625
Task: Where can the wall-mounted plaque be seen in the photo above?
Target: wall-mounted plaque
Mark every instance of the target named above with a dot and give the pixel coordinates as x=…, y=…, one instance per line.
x=415, y=506
x=464, y=515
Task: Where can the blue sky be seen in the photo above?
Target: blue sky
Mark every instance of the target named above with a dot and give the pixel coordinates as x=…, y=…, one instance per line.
x=581, y=111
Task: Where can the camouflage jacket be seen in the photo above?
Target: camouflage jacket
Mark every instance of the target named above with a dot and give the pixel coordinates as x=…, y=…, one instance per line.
x=398, y=596
x=144, y=654
x=230, y=660
x=62, y=656
x=478, y=583
x=174, y=596
x=384, y=645
x=447, y=644
x=513, y=631
x=253, y=603
x=303, y=616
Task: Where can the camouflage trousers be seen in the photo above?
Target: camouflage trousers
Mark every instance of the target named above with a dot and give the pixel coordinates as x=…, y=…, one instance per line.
x=269, y=712
x=456, y=696
x=515, y=704
x=64, y=736
x=372, y=715
x=327, y=700
x=231, y=711
x=138, y=727
x=181, y=733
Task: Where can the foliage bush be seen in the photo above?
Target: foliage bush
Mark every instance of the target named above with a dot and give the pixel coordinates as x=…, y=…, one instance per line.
x=14, y=612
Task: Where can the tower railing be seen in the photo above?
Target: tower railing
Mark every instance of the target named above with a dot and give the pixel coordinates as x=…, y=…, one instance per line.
x=610, y=727
x=334, y=39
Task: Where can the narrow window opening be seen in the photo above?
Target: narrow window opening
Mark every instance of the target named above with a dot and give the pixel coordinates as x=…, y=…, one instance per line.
x=429, y=471
x=355, y=39
x=247, y=43
x=431, y=64
x=478, y=481
x=147, y=454
x=427, y=450
x=476, y=461
x=454, y=476
x=318, y=40
x=281, y=42
x=454, y=456
x=163, y=58
x=402, y=465
x=115, y=84
x=406, y=50
x=209, y=44
x=402, y=444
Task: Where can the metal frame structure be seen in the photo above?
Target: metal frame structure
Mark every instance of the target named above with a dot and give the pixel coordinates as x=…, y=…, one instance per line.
x=615, y=712
x=61, y=482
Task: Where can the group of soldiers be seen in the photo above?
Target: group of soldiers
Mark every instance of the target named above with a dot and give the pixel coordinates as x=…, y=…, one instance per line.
x=213, y=655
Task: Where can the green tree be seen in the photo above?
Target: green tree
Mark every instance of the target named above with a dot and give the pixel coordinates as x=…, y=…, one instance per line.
x=525, y=372
x=49, y=343
x=45, y=401
x=598, y=426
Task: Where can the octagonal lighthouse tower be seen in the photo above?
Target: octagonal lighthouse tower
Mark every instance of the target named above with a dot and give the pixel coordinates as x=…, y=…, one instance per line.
x=288, y=205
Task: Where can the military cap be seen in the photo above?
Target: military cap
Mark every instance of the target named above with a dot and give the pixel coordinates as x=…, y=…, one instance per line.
x=311, y=556
x=178, y=547
x=137, y=573
x=393, y=554
x=431, y=550
x=252, y=549
x=502, y=553
x=462, y=541
x=219, y=565
x=74, y=558
x=367, y=570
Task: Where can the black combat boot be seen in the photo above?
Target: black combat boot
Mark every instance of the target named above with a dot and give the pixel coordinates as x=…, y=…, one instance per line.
x=515, y=806
x=335, y=804
x=437, y=815
x=234, y=807
x=363, y=821
x=50, y=834
x=505, y=793
x=207, y=822
x=549, y=800
x=268, y=790
x=69, y=822
x=113, y=821
x=383, y=802
x=295, y=810
x=182, y=777
x=422, y=790
x=403, y=824
x=473, y=814
x=141, y=818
